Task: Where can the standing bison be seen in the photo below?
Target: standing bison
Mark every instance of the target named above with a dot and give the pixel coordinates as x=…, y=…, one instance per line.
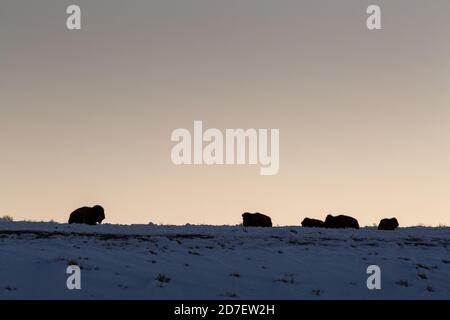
x=388, y=224
x=88, y=215
x=341, y=222
x=312, y=223
x=256, y=220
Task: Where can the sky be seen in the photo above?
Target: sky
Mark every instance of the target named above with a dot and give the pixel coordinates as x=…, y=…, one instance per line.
x=86, y=115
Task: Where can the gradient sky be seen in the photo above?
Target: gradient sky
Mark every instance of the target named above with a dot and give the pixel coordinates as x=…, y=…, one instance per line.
x=364, y=116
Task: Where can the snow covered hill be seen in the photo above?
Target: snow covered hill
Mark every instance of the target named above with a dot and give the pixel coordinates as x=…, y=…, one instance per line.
x=221, y=262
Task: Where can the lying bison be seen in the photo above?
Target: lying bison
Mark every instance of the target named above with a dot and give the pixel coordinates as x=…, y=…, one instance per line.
x=388, y=224
x=256, y=220
x=312, y=223
x=341, y=222
x=87, y=215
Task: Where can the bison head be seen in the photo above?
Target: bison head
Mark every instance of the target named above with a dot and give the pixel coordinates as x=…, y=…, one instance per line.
x=99, y=213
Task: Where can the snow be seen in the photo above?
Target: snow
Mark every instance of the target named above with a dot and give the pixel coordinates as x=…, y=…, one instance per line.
x=221, y=262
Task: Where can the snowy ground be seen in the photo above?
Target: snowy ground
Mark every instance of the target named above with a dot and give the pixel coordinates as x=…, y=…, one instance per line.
x=211, y=262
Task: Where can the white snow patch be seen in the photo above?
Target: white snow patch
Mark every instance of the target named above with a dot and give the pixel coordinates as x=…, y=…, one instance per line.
x=221, y=262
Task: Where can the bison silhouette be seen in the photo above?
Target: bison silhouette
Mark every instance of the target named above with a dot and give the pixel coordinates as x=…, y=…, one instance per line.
x=388, y=224
x=256, y=220
x=88, y=215
x=312, y=223
x=341, y=222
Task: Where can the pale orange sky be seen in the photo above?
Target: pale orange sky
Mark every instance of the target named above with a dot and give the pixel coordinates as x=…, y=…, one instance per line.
x=86, y=116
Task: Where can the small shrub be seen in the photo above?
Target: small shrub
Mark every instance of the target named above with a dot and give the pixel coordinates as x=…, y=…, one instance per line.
x=7, y=219
x=429, y=288
x=162, y=279
x=403, y=283
x=316, y=292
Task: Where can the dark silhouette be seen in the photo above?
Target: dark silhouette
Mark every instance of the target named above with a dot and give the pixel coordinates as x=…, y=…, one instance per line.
x=388, y=224
x=313, y=223
x=256, y=220
x=341, y=221
x=87, y=215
